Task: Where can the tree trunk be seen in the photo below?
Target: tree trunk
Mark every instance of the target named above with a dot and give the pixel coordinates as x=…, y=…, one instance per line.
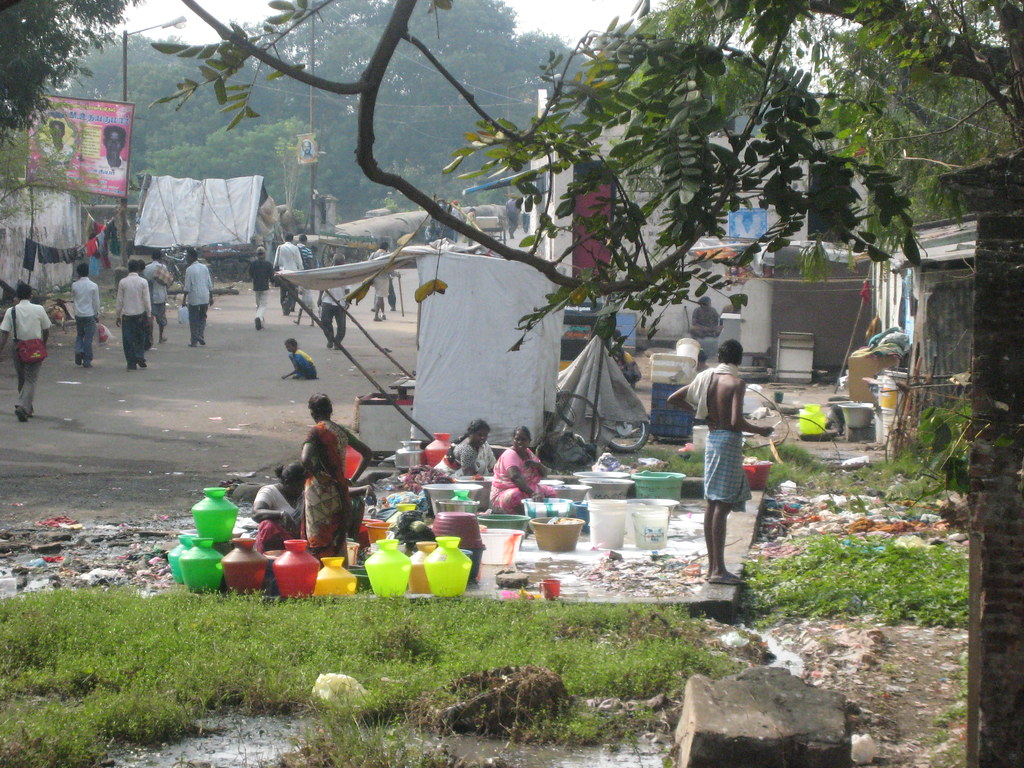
x=995, y=697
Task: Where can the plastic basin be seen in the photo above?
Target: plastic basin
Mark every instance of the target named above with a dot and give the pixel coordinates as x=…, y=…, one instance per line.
x=610, y=488
x=575, y=493
x=757, y=474
x=548, y=508
x=658, y=485
x=514, y=522
x=502, y=546
x=376, y=529
x=441, y=491
x=557, y=534
x=857, y=415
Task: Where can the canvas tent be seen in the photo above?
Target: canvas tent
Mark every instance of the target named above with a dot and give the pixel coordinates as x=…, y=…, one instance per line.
x=199, y=212
x=464, y=367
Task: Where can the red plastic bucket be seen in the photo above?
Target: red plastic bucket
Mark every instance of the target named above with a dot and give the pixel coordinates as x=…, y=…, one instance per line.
x=757, y=474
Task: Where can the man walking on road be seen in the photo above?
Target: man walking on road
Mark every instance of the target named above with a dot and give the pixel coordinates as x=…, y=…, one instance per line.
x=159, y=278
x=308, y=262
x=87, y=312
x=133, y=314
x=717, y=395
x=260, y=272
x=25, y=322
x=198, y=296
x=333, y=303
x=287, y=257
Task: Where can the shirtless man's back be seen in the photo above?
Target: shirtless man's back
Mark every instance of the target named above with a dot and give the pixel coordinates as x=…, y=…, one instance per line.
x=725, y=485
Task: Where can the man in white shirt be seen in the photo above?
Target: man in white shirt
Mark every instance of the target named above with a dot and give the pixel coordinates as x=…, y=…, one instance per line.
x=133, y=314
x=332, y=315
x=24, y=321
x=159, y=278
x=87, y=313
x=198, y=296
x=287, y=257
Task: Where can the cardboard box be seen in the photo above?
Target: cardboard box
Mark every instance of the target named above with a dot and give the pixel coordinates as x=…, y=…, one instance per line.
x=861, y=368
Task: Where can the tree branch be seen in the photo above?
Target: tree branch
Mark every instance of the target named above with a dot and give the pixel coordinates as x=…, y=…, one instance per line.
x=243, y=42
x=463, y=92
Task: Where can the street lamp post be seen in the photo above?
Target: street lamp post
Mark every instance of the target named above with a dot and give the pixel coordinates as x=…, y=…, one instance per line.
x=177, y=23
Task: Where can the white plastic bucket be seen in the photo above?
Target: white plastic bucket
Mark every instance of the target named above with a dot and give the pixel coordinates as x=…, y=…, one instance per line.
x=888, y=394
x=502, y=546
x=650, y=527
x=700, y=437
x=689, y=348
x=607, y=523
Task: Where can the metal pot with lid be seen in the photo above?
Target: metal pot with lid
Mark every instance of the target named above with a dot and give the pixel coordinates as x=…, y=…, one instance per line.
x=409, y=455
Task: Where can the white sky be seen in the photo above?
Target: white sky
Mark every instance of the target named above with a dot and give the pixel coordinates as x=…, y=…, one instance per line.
x=566, y=18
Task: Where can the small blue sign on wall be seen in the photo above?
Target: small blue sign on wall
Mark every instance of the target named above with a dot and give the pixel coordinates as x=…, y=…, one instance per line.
x=748, y=223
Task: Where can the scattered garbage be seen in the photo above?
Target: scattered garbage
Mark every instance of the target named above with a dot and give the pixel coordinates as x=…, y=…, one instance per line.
x=659, y=576
x=331, y=686
x=863, y=749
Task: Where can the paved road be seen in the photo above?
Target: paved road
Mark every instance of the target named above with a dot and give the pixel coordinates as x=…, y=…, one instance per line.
x=108, y=442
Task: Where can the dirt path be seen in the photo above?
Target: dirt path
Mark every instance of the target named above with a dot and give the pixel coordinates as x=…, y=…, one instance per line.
x=107, y=442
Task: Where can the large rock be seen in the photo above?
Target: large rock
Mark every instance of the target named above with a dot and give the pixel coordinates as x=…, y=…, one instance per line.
x=761, y=718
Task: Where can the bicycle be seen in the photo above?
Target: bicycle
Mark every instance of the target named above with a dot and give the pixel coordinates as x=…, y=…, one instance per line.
x=579, y=415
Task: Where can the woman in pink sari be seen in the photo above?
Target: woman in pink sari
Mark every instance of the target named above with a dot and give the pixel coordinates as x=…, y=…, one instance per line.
x=517, y=476
x=328, y=519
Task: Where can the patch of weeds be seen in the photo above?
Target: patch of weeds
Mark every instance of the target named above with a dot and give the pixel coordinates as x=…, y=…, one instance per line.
x=405, y=642
x=585, y=726
x=342, y=740
x=861, y=577
x=142, y=670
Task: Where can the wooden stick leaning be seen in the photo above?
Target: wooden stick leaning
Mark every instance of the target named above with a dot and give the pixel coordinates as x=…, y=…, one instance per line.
x=382, y=350
x=366, y=374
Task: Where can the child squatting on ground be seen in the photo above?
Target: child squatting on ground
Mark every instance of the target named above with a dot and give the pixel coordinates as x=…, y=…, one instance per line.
x=304, y=368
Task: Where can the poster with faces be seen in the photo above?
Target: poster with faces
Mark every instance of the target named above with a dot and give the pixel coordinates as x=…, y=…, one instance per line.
x=82, y=144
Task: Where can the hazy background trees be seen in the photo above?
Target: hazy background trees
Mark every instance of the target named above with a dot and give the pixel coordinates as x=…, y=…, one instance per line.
x=421, y=119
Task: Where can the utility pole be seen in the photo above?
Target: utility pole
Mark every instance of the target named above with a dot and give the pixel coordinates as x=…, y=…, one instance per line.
x=313, y=229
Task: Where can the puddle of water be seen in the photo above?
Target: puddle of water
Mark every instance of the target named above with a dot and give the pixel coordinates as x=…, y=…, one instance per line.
x=240, y=741
x=233, y=741
x=531, y=756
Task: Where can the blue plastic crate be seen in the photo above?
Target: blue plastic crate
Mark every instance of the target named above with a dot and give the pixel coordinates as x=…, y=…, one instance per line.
x=670, y=422
x=660, y=394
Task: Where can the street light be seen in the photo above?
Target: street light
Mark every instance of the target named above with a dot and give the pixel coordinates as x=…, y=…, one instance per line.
x=177, y=23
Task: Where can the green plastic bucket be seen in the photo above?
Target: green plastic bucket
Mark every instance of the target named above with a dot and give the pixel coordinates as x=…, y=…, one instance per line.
x=658, y=485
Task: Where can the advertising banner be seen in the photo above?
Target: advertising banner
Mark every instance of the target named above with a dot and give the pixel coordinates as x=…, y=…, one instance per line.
x=307, y=148
x=82, y=144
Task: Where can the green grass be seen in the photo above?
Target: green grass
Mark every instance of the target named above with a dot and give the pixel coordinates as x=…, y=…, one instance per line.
x=86, y=668
x=858, y=577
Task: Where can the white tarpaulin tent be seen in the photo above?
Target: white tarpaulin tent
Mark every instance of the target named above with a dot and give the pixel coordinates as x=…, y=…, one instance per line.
x=199, y=212
x=464, y=370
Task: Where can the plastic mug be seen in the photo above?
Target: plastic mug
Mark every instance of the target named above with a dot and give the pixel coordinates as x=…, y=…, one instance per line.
x=550, y=589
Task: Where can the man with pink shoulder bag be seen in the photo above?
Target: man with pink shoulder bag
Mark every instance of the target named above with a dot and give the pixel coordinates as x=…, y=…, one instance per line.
x=29, y=324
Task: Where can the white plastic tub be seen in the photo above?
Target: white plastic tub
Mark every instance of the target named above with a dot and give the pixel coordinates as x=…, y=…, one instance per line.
x=650, y=527
x=502, y=546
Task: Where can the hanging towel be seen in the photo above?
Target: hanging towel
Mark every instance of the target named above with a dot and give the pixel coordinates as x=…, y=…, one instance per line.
x=29, y=260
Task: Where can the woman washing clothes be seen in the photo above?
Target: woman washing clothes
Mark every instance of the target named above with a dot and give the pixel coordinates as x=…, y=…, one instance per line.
x=471, y=454
x=278, y=508
x=517, y=476
x=328, y=520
